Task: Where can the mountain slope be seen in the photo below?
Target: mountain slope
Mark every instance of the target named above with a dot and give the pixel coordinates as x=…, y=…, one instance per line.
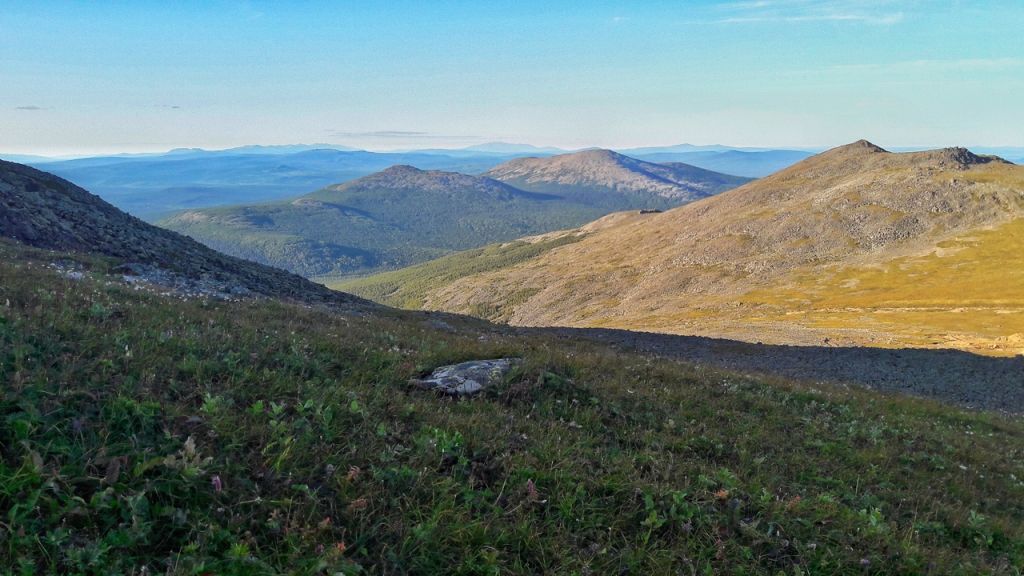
x=403, y=216
x=721, y=266
x=393, y=218
x=262, y=438
x=44, y=211
x=610, y=179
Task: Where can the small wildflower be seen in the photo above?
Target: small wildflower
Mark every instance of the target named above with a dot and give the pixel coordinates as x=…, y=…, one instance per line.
x=864, y=562
x=353, y=473
x=722, y=494
x=531, y=491
x=340, y=547
x=319, y=548
x=217, y=484
x=358, y=504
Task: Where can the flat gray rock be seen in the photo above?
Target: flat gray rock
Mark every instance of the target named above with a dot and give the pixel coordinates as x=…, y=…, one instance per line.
x=468, y=377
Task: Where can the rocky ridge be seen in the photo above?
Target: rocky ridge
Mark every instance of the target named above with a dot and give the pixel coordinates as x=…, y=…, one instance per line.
x=41, y=210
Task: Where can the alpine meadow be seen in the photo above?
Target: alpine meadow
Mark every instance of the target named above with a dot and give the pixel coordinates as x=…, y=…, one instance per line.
x=488, y=288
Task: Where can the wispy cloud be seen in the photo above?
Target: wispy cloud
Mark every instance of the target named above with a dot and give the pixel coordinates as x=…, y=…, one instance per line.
x=31, y=108
x=876, y=12
x=393, y=134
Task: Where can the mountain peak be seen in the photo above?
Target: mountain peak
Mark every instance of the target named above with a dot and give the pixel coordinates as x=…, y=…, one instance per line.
x=400, y=169
x=860, y=146
x=405, y=177
x=602, y=153
x=598, y=174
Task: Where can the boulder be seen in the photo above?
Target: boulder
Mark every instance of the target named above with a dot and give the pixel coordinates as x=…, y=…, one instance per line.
x=467, y=378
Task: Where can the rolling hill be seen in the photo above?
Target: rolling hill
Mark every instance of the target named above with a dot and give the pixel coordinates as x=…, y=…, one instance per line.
x=605, y=178
x=396, y=217
x=403, y=215
x=854, y=245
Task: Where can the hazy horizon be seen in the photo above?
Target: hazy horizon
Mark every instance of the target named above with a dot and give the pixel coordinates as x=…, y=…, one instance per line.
x=85, y=79
x=68, y=155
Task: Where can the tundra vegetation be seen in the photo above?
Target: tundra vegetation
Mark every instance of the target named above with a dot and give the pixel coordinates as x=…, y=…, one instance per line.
x=150, y=433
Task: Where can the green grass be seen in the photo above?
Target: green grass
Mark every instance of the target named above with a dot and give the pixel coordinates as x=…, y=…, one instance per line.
x=145, y=434
x=339, y=233
x=409, y=287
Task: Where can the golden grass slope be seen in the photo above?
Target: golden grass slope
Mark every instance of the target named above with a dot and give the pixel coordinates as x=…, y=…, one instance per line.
x=968, y=293
x=856, y=245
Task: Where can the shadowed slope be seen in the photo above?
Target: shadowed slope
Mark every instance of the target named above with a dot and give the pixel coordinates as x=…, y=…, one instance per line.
x=42, y=210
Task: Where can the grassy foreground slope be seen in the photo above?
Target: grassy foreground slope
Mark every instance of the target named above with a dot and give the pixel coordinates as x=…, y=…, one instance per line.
x=145, y=434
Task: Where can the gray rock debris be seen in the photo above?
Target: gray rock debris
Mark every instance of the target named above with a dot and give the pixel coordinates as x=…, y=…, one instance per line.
x=468, y=377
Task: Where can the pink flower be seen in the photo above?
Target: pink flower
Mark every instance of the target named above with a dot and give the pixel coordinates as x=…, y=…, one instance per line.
x=217, y=484
x=353, y=473
x=531, y=491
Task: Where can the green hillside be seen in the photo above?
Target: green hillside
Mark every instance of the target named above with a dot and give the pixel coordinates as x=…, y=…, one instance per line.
x=395, y=218
x=402, y=216
x=409, y=287
x=145, y=434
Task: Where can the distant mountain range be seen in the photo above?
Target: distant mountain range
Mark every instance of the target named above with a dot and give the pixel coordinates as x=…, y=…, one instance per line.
x=857, y=243
x=403, y=215
x=749, y=163
x=151, y=185
x=494, y=149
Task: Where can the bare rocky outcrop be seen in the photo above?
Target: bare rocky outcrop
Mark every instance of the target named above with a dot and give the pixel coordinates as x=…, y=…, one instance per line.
x=468, y=378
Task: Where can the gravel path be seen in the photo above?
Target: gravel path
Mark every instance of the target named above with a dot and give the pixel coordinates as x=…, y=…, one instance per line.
x=962, y=378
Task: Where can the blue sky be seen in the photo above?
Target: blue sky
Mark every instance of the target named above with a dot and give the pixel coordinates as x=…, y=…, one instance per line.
x=79, y=77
